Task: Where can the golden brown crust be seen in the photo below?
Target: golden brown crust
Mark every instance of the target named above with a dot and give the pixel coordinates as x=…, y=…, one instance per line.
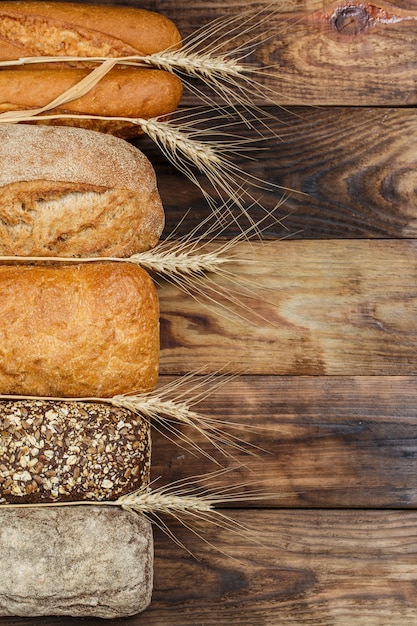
x=142, y=93
x=78, y=330
x=60, y=28
x=69, y=192
x=44, y=218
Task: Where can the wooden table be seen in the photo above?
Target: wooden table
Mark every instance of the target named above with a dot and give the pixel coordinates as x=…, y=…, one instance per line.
x=325, y=354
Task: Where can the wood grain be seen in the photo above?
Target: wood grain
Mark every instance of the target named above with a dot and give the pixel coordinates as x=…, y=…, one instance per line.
x=369, y=49
x=315, y=567
x=352, y=172
x=316, y=308
x=301, y=567
x=308, y=441
x=322, y=567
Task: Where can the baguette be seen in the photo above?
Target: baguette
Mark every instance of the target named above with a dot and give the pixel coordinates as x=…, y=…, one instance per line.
x=78, y=330
x=78, y=561
x=60, y=28
x=71, y=451
x=75, y=193
x=128, y=93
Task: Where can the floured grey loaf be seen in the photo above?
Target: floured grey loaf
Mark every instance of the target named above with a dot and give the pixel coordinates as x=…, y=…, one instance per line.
x=75, y=560
x=75, y=193
x=71, y=451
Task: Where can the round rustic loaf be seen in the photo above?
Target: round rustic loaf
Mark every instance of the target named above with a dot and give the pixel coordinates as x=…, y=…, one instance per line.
x=75, y=193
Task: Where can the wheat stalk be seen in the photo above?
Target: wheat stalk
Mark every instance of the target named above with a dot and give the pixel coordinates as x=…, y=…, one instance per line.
x=170, y=408
x=215, y=54
x=193, y=263
x=186, y=500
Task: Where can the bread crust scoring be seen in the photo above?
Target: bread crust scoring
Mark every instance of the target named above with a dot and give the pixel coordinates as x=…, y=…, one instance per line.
x=70, y=29
x=76, y=193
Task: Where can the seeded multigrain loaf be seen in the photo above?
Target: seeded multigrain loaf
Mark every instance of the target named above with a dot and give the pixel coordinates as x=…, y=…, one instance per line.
x=78, y=330
x=69, y=451
x=76, y=193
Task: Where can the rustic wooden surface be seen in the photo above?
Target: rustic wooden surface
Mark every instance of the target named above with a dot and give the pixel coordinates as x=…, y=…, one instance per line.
x=351, y=172
x=324, y=348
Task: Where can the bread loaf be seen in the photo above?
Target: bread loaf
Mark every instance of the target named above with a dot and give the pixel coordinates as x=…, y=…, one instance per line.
x=76, y=193
x=78, y=561
x=60, y=28
x=132, y=93
x=71, y=451
x=78, y=330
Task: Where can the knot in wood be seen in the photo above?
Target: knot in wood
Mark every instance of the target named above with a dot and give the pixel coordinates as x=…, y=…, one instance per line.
x=350, y=20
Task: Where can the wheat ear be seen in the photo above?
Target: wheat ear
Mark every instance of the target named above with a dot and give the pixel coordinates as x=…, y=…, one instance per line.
x=171, y=408
x=186, y=500
x=194, y=263
x=218, y=54
x=174, y=404
x=215, y=54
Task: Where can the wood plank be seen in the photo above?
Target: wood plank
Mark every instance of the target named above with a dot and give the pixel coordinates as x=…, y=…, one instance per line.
x=355, y=54
x=341, y=54
x=317, y=308
x=302, y=567
x=313, y=567
x=352, y=171
x=321, y=441
x=310, y=567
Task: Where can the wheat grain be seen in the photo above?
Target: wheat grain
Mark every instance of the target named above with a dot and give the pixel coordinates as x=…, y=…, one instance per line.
x=185, y=499
x=170, y=407
x=215, y=54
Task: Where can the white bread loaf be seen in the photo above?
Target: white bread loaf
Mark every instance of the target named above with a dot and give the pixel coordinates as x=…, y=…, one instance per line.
x=78, y=330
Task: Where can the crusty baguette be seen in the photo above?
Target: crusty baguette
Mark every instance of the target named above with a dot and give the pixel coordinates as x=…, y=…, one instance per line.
x=77, y=193
x=78, y=330
x=78, y=561
x=60, y=28
x=70, y=451
x=133, y=93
